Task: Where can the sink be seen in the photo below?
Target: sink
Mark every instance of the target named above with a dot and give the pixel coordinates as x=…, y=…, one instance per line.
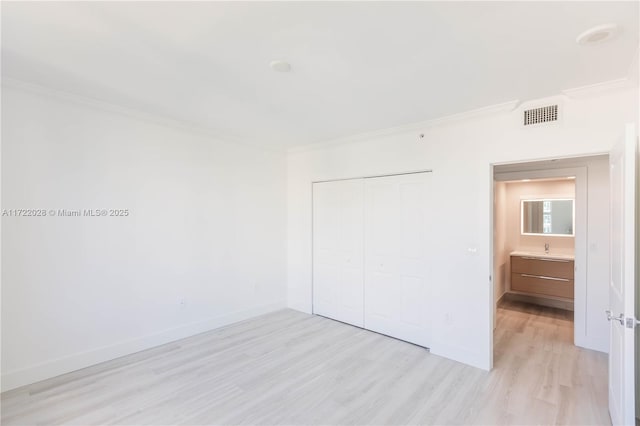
x=543, y=255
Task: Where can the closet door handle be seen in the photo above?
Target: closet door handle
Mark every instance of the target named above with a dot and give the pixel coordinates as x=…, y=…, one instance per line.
x=545, y=278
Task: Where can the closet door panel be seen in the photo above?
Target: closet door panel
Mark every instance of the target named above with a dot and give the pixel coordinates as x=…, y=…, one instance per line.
x=396, y=257
x=338, y=271
x=324, y=288
x=380, y=295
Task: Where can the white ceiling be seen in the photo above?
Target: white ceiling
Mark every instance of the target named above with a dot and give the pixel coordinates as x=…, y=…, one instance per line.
x=357, y=66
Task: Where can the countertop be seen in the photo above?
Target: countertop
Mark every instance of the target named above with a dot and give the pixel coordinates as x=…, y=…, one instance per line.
x=543, y=255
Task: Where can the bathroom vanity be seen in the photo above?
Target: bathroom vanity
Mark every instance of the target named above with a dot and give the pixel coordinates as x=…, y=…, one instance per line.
x=542, y=274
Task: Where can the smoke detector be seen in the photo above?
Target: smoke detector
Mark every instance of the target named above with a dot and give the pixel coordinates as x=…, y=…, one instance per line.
x=597, y=35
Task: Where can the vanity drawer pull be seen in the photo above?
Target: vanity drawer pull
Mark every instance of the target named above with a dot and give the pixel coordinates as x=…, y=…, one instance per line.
x=546, y=260
x=545, y=278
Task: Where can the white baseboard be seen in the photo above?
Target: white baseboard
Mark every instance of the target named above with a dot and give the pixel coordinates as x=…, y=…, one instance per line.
x=585, y=342
x=56, y=367
x=460, y=354
x=300, y=306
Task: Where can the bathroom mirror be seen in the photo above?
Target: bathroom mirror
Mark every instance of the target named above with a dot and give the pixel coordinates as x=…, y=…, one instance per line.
x=547, y=217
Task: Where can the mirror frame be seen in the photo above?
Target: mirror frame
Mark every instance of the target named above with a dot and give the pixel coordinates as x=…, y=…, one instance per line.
x=532, y=234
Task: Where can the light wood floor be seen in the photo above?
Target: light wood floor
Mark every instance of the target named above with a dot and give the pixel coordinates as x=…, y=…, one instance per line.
x=292, y=368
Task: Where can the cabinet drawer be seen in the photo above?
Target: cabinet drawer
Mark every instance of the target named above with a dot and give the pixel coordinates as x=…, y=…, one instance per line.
x=546, y=286
x=559, y=268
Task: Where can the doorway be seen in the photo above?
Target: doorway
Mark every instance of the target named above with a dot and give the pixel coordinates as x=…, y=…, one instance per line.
x=535, y=241
x=554, y=266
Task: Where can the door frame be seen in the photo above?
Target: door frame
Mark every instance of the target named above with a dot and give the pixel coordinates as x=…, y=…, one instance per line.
x=581, y=235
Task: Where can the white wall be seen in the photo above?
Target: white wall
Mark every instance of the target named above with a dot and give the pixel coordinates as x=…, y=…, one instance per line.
x=207, y=224
x=460, y=154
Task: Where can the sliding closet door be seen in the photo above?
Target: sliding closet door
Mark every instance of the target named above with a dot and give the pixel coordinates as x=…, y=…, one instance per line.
x=396, y=291
x=338, y=270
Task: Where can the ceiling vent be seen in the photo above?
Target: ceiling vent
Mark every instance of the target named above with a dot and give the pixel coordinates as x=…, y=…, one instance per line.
x=545, y=114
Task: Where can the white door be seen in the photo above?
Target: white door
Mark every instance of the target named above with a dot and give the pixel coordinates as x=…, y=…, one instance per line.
x=337, y=250
x=396, y=288
x=623, y=162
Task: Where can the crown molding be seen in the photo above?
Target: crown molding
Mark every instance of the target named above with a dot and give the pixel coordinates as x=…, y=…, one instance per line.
x=598, y=89
x=411, y=127
x=570, y=94
x=136, y=114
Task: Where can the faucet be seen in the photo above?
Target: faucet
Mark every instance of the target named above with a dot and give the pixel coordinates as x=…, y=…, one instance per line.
x=546, y=248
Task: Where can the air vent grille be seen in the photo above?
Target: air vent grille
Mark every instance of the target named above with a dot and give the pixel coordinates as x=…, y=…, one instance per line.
x=544, y=114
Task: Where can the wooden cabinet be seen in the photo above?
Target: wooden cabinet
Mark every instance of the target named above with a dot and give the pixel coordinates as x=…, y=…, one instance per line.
x=542, y=276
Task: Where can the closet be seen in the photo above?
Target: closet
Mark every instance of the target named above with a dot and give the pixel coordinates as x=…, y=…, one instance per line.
x=371, y=254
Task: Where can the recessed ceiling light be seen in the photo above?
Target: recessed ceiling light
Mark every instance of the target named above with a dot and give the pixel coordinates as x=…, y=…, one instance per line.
x=280, y=66
x=597, y=34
